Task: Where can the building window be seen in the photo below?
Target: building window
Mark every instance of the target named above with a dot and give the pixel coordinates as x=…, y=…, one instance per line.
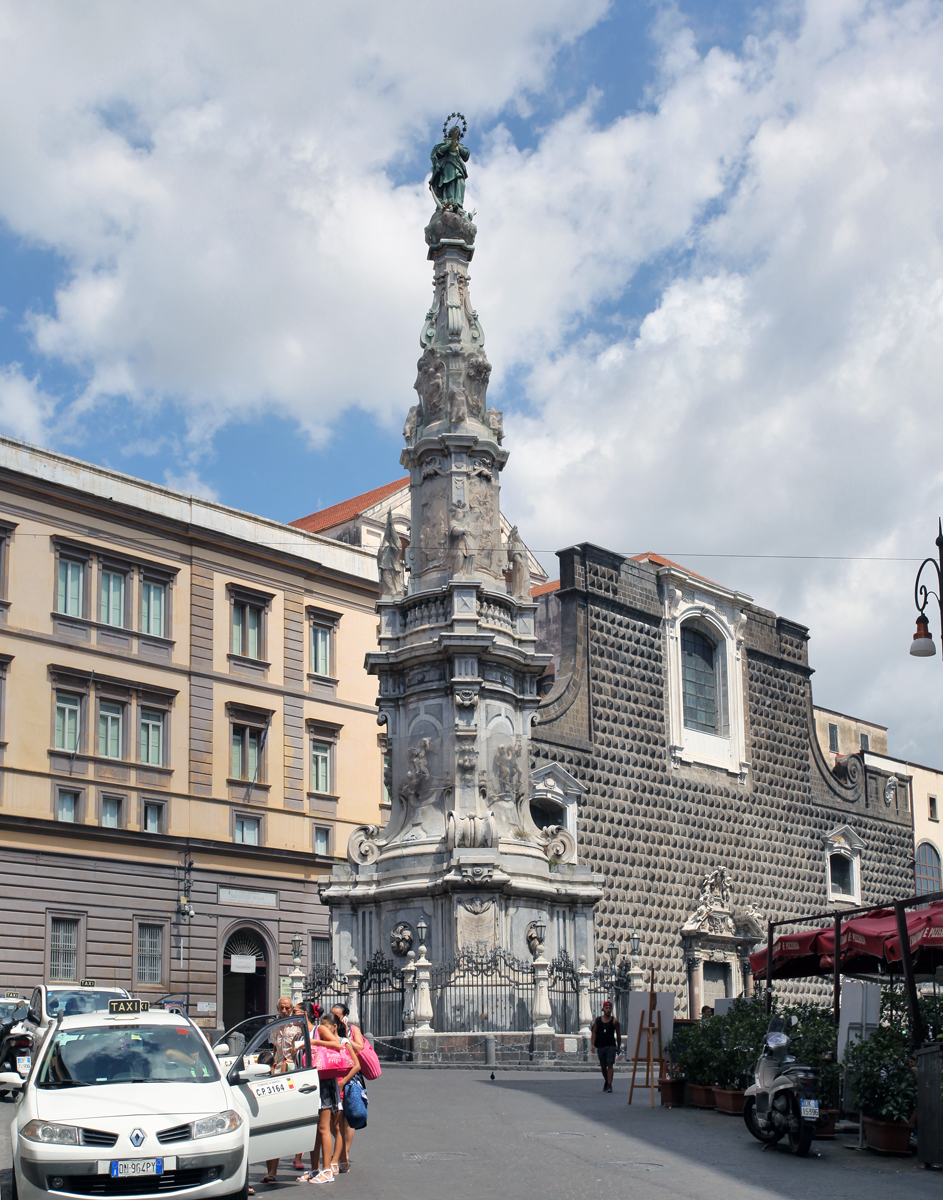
x=320, y=650
x=833, y=738
x=320, y=951
x=322, y=840
x=109, y=730
x=841, y=872
x=150, y=954
x=247, y=630
x=321, y=767
x=67, y=806
x=152, y=608
x=247, y=830
x=932, y=809
x=71, y=587
x=67, y=722
x=152, y=818
x=927, y=869
x=386, y=785
x=698, y=681
x=865, y=742
x=63, y=949
x=111, y=812
x=112, y=598
x=152, y=737
x=246, y=752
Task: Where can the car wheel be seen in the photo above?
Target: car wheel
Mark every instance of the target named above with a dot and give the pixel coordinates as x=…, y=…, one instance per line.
x=749, y=1119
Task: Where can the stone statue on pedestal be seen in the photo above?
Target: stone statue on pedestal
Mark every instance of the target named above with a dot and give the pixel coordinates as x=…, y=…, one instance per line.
x=390, y=562
x=448, y=168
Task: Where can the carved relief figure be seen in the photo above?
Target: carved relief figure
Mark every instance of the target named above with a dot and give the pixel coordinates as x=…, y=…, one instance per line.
x=519, y=567
x=430, y=384
x=481, y=501
x=494, y=419
x=467, y=759
x=390, y=563
x=418, y=773
x=507, y=773
x=433, y=535
x=463, y=539
x=401, y=939
x=411, y=428
x=458, y=410
x=477, y=374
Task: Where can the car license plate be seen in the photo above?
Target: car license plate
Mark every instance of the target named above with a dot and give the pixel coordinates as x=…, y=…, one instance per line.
x=23, y=1064
x=810, y=1110
x=120, y=1168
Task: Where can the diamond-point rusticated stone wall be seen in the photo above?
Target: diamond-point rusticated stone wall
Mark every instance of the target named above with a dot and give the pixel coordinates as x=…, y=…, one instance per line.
x=654, y=830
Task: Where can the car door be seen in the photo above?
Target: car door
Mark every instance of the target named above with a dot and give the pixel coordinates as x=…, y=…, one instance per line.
x=283, y=1109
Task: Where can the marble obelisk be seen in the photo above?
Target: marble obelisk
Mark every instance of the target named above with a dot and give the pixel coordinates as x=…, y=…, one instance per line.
x=462, y=855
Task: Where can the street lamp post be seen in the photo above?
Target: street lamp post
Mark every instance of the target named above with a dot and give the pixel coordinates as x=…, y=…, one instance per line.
x=922, y=645
x=635, y=975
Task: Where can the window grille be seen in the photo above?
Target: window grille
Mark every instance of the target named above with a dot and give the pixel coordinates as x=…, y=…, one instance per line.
x=63, y=949
x=150, y=952
x=927, y=870
x=698, y=681
x=320, y=951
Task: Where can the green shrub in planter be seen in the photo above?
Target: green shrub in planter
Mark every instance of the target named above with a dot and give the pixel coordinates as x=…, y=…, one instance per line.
x=741, y=1031
x=696, y=1054
x=884, y=1079
x=814, y=1043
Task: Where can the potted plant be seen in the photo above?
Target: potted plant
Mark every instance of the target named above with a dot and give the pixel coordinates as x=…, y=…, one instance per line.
x=739, y=1040
x=814, y=1043
x=885, y=1089
x=671, y=1083
x=697, y=1061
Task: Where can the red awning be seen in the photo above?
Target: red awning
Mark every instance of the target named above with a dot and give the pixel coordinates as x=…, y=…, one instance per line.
x=869, y=945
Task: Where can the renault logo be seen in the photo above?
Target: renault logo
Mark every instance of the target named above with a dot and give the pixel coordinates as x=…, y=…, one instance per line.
x=137, y=1137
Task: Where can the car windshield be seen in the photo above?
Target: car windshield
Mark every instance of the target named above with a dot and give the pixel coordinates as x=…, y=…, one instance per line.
x=8, y=1008
x=126, y=1054
x=75, y=1002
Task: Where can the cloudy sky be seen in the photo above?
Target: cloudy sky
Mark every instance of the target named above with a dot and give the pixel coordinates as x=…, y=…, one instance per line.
x=709, y=268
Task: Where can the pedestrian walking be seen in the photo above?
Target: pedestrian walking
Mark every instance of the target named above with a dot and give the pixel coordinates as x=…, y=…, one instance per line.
x=606, y=1040
x=325, y=1166
x=283, y=1059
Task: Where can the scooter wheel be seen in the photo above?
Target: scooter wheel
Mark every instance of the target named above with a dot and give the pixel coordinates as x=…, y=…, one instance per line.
x=800, y=1143
x=749, y=1119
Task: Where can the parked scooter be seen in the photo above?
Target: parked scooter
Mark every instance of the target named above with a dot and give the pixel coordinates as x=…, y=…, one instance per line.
x=16, y=1043
x=784, y=1100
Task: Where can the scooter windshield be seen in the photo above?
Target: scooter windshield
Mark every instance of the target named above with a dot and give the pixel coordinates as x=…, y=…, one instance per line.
x=776, y=1025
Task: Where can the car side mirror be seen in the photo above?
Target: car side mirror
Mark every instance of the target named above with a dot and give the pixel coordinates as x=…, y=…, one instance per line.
x=793, y=1020
x=251, y=1071
x=221, y=1049
x=33, y=1015
x=11, y=1079
x=21, y=1012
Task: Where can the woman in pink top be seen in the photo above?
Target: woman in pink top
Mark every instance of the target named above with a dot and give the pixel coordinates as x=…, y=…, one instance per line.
x=342, y=1131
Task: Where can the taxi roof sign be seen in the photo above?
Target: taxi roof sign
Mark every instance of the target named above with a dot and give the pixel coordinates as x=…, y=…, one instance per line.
x=86, y=983
x=126, y=1007
x=12, y=996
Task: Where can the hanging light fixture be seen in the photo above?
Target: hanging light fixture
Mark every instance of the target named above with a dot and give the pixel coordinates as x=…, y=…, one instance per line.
x=923, y=646
x=296, y=947
x=636, y=942
x=422, y=929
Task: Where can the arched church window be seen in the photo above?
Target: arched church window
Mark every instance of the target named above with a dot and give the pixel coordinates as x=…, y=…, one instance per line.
x=699, y=680
x=929, y=877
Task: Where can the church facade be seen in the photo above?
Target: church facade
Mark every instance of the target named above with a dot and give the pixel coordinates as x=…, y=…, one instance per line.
x=685, y=711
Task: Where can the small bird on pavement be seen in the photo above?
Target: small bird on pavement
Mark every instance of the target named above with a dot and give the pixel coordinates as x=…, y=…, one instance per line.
x=492, y=1074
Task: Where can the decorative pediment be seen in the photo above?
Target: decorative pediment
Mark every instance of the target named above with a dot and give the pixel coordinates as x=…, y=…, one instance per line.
x=843, y=837
x=554, y=780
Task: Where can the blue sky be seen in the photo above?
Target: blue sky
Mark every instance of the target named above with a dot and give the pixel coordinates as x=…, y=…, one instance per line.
x=709, y=269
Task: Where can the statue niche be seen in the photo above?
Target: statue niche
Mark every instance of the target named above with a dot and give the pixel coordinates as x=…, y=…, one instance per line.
x=430, y=384
x=390, y=565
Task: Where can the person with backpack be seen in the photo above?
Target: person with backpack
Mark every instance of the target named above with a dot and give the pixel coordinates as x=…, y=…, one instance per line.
x=343, y=1130
x=606, y=1040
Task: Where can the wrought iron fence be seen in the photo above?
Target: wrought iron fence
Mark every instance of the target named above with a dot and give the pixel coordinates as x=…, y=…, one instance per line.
x=564, y=994
x=326, y=985
x=611, y=982
x=381, y=997
x=482, y=992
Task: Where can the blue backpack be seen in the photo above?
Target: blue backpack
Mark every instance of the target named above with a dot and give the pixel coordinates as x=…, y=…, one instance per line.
x=355, y=1103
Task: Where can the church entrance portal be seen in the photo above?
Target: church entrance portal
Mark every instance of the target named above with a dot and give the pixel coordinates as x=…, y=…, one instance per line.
x=245, y=977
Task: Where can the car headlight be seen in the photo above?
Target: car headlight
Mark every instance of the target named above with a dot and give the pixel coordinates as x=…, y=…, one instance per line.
x=50, y=1133
x=224, y=1122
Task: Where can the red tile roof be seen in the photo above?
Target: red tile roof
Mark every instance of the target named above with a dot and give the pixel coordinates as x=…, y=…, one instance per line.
x=543, y=588
x=337, y=514
x=660, y=561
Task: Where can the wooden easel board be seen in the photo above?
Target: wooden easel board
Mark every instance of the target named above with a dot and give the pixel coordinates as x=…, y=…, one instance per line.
x=638, y=1005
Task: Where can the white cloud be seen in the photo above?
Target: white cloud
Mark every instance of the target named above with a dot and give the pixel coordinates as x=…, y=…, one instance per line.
x=223, y=191
x=25, y=409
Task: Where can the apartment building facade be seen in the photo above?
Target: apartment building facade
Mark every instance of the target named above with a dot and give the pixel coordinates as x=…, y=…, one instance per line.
x=187, y=735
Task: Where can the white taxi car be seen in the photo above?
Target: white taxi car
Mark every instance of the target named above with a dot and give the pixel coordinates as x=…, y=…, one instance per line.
x=135, y=1103
x=50, y=1000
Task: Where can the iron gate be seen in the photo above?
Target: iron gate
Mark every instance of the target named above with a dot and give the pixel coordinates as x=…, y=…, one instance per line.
x=482, y=992
x=326, y=985
x=564, y=994
x=611, y=982
x=381, y=998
